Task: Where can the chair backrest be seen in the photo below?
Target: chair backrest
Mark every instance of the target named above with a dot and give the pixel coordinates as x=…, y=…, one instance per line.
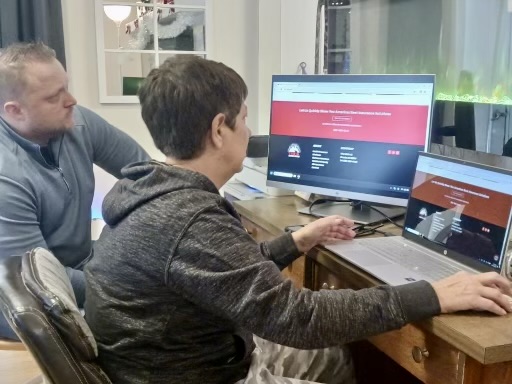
x=38, y=301
x=507, y=148
x=463, y=128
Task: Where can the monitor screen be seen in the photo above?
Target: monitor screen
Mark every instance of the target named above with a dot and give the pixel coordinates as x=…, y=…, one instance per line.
x=461, y=209
x=349, y=136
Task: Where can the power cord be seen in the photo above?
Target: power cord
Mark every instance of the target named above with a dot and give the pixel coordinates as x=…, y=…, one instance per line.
x=322, y=201
x=379, y=212
x=367, y=230
x=360, y=230
x=353, y=203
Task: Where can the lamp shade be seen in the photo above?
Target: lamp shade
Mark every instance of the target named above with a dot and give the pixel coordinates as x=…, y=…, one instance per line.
x=117, y=13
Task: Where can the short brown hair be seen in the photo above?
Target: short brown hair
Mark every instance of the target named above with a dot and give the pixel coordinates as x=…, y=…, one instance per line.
x=180, y=99
x=13, y=61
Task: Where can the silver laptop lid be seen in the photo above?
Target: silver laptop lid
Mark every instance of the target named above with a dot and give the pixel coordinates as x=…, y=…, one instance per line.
x=461, y=209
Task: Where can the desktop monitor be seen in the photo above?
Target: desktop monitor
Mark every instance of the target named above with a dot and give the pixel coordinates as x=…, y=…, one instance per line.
x=355, y=137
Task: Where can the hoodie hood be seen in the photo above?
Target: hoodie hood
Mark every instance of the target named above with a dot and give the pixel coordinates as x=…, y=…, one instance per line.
x=145, y=181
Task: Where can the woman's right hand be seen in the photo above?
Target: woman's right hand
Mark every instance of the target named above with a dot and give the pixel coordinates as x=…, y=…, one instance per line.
x=481, y=292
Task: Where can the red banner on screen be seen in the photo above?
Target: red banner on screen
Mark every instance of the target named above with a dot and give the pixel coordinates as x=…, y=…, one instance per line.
x=400, y=124
x=477, y=202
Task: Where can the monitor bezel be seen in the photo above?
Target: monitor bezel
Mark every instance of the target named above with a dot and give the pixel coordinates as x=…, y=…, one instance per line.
x=353, y=78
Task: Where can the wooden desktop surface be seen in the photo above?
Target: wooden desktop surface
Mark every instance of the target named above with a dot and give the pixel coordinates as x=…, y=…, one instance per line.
x=479, y=343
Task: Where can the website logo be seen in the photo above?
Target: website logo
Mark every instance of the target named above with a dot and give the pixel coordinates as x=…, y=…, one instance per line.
x=294, y=150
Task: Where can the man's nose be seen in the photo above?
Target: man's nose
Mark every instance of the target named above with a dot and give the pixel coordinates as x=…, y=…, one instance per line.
x=70, y=100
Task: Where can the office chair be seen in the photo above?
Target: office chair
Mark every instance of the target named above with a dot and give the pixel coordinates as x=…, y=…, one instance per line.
x=463, y=128
x=507, y=148
x=38, y=301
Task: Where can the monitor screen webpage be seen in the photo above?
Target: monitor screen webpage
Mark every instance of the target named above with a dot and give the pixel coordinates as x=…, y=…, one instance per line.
x=462, y=208
x=349, y=136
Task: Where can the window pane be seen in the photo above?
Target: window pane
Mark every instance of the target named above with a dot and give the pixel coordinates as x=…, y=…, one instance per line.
x=189, y=2
x=180, y=29
x=123, y=1
x=339, y=3
x=125, y=70
x=339, y=28
x=123, y=27
x=157, y=2
x=138, y=30
x=339, y=62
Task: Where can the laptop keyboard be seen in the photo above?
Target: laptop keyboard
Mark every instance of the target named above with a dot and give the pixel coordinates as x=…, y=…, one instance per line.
x=411, y=258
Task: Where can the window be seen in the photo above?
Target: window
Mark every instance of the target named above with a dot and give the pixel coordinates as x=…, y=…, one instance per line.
x=134, y=37
x=337, y=23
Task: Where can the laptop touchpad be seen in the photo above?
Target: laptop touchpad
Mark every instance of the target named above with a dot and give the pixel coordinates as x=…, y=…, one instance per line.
x=365, y=258
x=368, y=259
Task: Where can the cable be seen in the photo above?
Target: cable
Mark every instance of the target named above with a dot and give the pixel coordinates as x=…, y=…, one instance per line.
x=384, y=233
x=321, y=201
x=360, y=230
x=364, y=230
x=353, y=203
x=379, y=212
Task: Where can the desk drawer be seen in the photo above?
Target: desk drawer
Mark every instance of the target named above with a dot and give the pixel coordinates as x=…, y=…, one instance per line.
x=425, y=355
x=295, y=271
x=324, y=277
x=258, y=233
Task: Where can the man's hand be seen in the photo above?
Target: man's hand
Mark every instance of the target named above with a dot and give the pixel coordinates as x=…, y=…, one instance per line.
x=482, y=292
x=323, y=231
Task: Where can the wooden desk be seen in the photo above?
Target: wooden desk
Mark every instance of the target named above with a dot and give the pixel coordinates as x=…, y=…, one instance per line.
x=467, y=348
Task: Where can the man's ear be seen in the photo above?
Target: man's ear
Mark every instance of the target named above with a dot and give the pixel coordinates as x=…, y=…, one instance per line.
x=218, y=123
x=12, y=110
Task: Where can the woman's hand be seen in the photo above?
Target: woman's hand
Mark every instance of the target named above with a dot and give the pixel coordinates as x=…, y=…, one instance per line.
x=482, y=292
x=323, y=231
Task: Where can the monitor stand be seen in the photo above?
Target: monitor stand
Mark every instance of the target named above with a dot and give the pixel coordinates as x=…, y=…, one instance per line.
x=359, y=213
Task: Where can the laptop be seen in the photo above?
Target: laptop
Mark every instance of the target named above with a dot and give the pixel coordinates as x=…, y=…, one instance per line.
x=458, y=219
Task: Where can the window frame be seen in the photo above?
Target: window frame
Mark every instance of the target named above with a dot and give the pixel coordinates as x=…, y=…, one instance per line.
x=104, y=97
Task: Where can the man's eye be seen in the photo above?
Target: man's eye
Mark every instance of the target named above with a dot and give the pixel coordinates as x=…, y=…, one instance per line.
x=53, y=99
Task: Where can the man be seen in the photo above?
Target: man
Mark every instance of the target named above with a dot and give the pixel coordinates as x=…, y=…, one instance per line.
x=177, y=288
x=47, y=150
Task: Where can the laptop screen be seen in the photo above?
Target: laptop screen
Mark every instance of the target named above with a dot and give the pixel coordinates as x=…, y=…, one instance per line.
x=461, y=209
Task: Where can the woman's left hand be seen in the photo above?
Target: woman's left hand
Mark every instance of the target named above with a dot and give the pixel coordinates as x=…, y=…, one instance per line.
x=323, y=231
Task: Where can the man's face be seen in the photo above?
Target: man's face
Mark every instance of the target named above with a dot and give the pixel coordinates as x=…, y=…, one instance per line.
x=46, y=105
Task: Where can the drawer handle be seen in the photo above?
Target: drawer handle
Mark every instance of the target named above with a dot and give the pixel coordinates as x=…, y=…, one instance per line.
x=326, y=286
x=418, y=354
x=251, y=231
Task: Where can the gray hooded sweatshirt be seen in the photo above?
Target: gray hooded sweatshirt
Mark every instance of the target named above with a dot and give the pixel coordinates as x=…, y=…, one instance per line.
x=177, y=287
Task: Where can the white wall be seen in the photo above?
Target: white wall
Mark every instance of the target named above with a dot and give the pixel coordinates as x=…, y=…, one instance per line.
x=298, y=30
x=269, y=59
x=287, y=31
x=80, y=41
x=235, y=42
x=256, y=38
